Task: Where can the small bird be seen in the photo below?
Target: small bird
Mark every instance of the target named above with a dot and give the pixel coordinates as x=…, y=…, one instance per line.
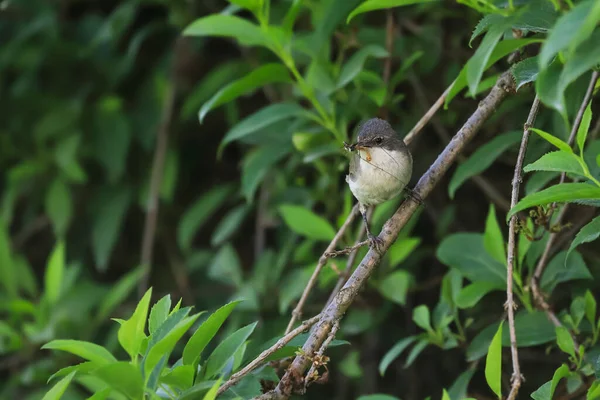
x=380, y=167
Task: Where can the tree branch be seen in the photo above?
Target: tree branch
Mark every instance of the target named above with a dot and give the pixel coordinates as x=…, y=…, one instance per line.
x=511, y=254
x=293, y=379
x=235, y=378
x=297, y=313
x=543, y=261
x=158, y=164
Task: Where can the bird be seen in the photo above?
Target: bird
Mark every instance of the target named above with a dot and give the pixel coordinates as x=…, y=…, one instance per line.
x=380, y=168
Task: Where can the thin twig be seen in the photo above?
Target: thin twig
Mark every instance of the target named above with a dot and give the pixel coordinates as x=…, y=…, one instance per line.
x=293, y=378
x=541, y=265
x=347, y=250
x=349, y=264
x=156, y=177
x=297, y=313
x=494, y=194
x=427, y=116
x=235, y=378
x=517, y=378
x=313, y=372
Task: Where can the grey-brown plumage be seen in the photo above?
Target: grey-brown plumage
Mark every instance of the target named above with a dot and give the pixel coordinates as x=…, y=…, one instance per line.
x=380, y=166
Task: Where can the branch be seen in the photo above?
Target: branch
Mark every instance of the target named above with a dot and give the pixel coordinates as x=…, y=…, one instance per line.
x=313, y=373
x=346, y=274
x=293, y=378
x=297, y=313
x=235, y=378
x=539, y=269
x=517, y=378
x=158, y=164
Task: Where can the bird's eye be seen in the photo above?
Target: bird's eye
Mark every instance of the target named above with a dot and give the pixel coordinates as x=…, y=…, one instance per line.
x=379, y=140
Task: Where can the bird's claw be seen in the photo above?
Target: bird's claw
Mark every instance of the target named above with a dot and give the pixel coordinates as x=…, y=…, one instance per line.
x=375, y=242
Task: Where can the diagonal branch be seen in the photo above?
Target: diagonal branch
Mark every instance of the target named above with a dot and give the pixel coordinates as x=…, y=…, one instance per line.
x=297, y=313
x=235, y=378
x=156, y=177
x=293, y=379
x=511, y=254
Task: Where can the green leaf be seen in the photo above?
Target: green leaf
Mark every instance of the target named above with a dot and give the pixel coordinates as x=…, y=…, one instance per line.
x=162, y=348
x=197, y=214
x=569, y=31
x=226, y=349
x=123, y=377
x=484, y=25
x=229, y=225
x=584, y=127
x=532, y=329
x=546, y=391
x=159, y=313
x=262, y=118
x=109, y=217
x=181, y=377
x=207, y=330
x=212, y=393
x=415, y=351
x=246, y=33
x=501, y=50
x=371, y=5
x=565, y=341
x=559, y=144
x=8, y=275
x=475, y=264
x=356, y=63
x=586, y=57
x=81, y=368
x=226, y=267
x=118, y=293
x=401, y=249
x=560, y=270
x=263, y=75
x=394, y=353
x=59, y=389
x=395, y=286
x=559, y=161
x=493, y=240
x=550, y=90
x=422, y=318
x=525, y=71
x=86, y=350
x=257, y=163
x=55, y=271
x=458, y=390
x=131, y=333
x=470, y=295
x=377, y=397
x=493, y=363
x=588, y=233
x=565, y=192
x=101, y=395
x=590, y=307
x=111, y=137
x=481, y=159
x=304, y=222
x=59, y=206
x=477, y=64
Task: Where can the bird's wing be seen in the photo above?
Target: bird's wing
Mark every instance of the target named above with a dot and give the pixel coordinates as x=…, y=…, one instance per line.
x=354, y=166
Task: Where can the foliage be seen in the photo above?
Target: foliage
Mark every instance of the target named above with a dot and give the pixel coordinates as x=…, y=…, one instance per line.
x=253, y=189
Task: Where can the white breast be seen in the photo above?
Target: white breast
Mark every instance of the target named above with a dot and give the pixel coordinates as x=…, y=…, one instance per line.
x=382, y=178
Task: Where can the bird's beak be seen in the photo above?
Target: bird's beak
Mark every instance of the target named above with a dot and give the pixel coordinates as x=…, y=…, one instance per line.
x=359, y=146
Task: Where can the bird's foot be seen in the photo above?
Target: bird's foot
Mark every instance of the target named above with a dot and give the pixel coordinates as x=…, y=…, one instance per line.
x=375, y=242
x=414, y=195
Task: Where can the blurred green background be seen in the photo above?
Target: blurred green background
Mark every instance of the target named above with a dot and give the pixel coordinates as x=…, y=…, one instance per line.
x=95, y=94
